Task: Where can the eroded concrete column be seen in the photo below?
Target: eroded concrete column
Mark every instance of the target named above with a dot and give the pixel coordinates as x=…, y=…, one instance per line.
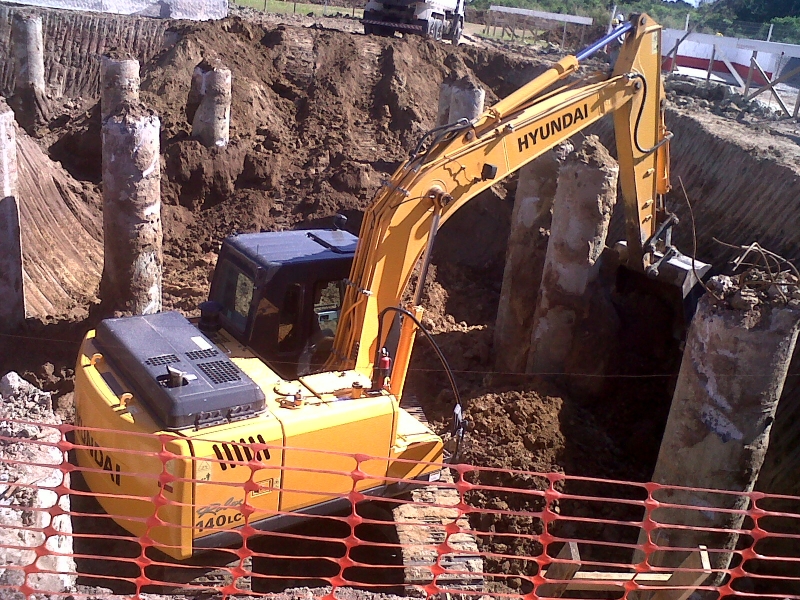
x=466, y=100
x=527, y=246
x=460, y=99
x=12, y=299
x=132, y=231
x=119, y=83
x=208, y=107
x=584, y=200
x=29, y=101
x=734, y=366
x=5, y=15
x=28, y=45
x=443, y=112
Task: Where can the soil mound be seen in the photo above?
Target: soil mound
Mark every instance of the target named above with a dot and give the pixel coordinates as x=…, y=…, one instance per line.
x=319, y=118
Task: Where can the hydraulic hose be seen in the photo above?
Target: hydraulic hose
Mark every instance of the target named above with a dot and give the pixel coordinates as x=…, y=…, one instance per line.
x=459, y=424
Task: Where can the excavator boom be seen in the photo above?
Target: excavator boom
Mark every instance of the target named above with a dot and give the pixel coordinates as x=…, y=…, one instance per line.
x=462, y=160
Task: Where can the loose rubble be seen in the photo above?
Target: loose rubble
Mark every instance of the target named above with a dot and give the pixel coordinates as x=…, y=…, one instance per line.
x=29, y=478
x=718, y=98
x=756, y=288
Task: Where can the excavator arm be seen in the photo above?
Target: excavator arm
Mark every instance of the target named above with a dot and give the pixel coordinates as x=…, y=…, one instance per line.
x=455, y=163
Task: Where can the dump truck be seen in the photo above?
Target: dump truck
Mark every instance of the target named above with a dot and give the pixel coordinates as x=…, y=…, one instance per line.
x=436, y=19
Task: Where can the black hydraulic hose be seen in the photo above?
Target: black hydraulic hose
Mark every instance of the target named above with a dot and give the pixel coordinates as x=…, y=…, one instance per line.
x=458, y=409
x=587, y=52
x=667, y=137
x=437, y=133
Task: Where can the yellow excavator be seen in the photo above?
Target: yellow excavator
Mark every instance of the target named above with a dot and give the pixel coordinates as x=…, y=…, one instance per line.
x=283, y=398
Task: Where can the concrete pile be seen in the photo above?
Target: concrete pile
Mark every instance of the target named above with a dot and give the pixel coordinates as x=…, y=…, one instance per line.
x=208, y=107
x=527, y=245
x=737, y=356
x=459, y=99
x=554, y=309
x=36, y=546
x=12, y=308
x=30, y=101
x=565, y=311
x=133, y=236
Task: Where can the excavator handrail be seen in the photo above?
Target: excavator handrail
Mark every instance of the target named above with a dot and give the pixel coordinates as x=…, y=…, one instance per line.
x=464, y=159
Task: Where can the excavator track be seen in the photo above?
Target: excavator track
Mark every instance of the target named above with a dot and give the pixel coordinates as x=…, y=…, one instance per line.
x=421, y=527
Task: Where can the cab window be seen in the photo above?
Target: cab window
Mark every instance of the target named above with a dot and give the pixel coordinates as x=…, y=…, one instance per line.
x=235, y=294
x=289, y=330
x=264, y=325
x=327, y=304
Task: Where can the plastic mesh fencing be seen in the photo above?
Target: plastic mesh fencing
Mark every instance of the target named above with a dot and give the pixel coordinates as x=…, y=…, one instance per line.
x=472, y=532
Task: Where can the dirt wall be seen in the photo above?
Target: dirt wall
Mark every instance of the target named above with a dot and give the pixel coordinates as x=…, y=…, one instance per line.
x=62, y=256
x=74, y=42
x=743, y=184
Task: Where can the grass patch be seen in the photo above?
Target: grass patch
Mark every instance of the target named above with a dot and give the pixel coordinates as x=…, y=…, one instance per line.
x=283, y=7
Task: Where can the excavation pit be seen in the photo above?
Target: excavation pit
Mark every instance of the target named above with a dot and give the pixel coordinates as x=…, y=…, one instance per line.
x=319, y=117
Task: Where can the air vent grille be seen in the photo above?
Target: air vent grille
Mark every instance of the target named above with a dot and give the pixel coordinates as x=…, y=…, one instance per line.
x=198, y=354
x=229, y=454
x=220, y=371
x=163, y=359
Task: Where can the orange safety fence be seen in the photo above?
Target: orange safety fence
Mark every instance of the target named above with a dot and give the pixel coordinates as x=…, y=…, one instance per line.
x=473, y=532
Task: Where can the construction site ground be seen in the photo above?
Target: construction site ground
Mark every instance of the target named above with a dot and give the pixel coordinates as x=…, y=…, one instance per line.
x=321, y=115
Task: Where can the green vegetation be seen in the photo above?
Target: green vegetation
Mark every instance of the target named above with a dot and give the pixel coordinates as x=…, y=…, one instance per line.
x=301, y=8
x=752, y=18
x=741, y=18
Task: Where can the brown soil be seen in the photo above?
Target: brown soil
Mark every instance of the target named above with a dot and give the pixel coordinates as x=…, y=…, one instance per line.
x=319, y=118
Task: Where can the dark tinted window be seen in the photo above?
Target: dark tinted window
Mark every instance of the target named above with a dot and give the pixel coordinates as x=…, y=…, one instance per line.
x=327, y=304
x=289, y=331
x=234, y=292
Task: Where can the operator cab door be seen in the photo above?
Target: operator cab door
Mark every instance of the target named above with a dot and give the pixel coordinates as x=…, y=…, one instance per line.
x=234, y=288
x=281, y=295
x=294, y=323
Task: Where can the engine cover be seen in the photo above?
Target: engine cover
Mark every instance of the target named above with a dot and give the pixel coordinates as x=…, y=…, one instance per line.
x=183, y=378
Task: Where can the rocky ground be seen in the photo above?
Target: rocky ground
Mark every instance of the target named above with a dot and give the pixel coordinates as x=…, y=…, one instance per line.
x=29, y=476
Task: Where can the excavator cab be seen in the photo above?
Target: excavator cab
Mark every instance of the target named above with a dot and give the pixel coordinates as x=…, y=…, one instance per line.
x=280, y=294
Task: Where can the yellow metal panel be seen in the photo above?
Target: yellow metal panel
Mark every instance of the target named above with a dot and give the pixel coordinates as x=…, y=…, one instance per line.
x=642, y=175
x=336, y=383
x=402, y=357
x=417, y=443
x=121, y=463
x=127, y=429
x=329, y=421
x=361, y=426
x=228, y=472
